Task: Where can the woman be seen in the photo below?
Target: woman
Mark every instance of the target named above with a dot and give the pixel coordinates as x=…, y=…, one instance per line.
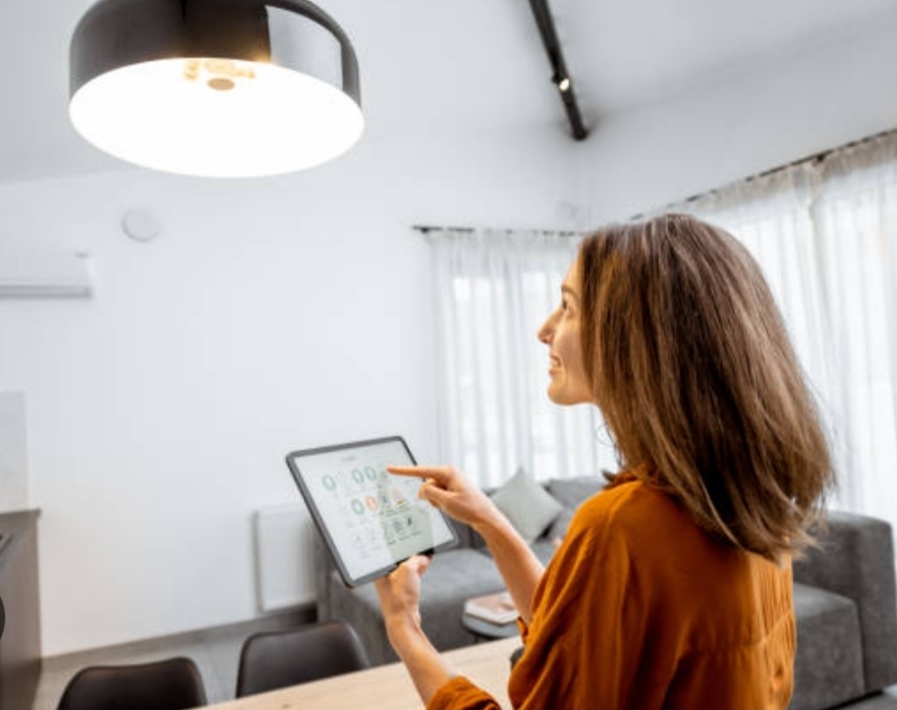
x=672, y=587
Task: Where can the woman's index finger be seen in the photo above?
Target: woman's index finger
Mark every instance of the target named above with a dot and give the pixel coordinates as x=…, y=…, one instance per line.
x=407, y=471
x=438, y=474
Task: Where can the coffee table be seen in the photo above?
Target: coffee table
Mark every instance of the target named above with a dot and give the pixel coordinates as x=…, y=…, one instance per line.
x=483, y=629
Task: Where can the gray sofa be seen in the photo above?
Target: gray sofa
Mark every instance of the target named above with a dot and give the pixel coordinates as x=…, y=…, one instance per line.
x=844, y=598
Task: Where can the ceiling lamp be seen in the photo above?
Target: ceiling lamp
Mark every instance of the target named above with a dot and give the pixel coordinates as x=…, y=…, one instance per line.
x=218, y=88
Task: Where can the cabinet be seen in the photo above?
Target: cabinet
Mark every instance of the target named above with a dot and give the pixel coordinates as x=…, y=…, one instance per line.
x=20, y=652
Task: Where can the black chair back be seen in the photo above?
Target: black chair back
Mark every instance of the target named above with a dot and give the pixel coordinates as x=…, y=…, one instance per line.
x=278, y=659
x=171, y=684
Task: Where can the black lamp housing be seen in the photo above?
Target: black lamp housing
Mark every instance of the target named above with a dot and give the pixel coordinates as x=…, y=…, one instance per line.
x=116, y=33
x=291, y=34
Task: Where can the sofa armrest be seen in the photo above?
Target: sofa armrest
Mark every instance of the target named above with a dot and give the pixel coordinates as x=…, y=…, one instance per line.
x=855, y=559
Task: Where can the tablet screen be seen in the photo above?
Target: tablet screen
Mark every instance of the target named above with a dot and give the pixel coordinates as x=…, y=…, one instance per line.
x=370, y=519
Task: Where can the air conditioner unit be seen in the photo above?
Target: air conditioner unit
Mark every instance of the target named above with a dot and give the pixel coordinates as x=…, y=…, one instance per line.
x=36, y=272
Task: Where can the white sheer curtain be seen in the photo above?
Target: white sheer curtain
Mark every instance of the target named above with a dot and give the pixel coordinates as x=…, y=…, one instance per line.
x=826, y=235
x=855, y=215
x=494, y=290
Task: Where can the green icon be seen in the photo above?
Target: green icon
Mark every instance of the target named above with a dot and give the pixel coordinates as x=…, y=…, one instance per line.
x=357, y=507
x=358, y=476
x=329, y=482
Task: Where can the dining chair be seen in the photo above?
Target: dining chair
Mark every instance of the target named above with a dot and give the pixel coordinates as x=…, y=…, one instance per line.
x=271, y=660
x=170, y=684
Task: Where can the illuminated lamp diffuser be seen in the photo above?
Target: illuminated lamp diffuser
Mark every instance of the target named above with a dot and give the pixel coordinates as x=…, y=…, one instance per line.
x=215, y=88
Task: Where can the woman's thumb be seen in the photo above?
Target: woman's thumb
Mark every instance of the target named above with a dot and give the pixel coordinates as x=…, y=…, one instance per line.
x=421, y=562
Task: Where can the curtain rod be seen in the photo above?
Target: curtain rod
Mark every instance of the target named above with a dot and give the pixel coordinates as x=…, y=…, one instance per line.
x=814, y=158
x=427, y=228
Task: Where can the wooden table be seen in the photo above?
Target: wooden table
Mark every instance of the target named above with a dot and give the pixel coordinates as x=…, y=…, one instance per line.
x=387, y=687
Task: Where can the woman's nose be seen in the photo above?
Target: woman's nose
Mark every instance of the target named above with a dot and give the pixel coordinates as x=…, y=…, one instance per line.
x=546, y=332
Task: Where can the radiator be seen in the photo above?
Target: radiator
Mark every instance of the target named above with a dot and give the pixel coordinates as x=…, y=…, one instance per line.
x=284, y=556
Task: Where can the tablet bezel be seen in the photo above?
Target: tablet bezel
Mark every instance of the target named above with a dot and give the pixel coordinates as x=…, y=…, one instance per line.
x=321, y=524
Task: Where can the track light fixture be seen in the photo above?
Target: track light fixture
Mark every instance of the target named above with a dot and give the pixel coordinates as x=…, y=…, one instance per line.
x=560, y=76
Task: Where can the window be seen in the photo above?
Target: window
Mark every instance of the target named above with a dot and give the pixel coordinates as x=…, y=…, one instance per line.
x=825, y=234
x=495, y=289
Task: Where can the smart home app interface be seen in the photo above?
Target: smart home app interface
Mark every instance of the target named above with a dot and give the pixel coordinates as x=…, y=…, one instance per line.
x=375, y=518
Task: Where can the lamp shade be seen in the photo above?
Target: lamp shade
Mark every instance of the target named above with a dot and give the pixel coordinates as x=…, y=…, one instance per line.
x=219, y=88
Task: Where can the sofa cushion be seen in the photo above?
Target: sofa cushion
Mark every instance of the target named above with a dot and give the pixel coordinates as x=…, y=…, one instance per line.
x=573, y=491
x=463, y=532
x=850, y=560
x=529, y=507
x=558, y=528
x=461, y=572
x=544, y=549
x=828, y=668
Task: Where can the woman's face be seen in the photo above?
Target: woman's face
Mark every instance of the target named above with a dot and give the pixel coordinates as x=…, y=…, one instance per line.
x=560, y=333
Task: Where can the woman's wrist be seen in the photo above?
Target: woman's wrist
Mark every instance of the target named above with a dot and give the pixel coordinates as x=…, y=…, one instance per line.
x=403, y=630
x=491, y=523
x=428, y=670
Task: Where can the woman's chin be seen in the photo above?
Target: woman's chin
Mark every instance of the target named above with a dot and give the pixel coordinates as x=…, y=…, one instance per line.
x=558, y=396
x=564, y=397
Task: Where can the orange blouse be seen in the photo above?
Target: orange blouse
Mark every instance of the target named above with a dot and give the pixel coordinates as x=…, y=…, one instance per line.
x=640, y=609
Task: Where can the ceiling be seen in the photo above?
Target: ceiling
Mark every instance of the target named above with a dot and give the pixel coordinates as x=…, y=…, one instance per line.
x=446, y=67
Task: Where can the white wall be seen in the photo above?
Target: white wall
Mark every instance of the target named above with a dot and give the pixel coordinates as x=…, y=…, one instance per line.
x=738, y=124
x=267, y=316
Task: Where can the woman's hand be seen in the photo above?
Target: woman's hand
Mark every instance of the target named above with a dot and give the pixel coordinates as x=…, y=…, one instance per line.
x=448, y=489
x=399, y=591
x=399, y=594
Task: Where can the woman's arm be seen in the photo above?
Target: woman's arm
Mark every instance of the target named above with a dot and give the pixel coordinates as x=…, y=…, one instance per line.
x=447, y=489
x=519, y=567
x=399, y=591
x=399, y=594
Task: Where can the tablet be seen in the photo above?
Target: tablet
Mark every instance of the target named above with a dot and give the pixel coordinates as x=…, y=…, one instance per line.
x=369, y=519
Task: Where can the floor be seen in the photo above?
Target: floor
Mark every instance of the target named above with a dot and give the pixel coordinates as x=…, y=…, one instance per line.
x=216, y=652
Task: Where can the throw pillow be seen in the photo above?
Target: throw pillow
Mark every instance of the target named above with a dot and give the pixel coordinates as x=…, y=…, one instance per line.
x=529, y=507
x=558, y=528
x=573, y=491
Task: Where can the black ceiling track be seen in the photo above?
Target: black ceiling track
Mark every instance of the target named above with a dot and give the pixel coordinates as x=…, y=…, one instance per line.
x=560, y=76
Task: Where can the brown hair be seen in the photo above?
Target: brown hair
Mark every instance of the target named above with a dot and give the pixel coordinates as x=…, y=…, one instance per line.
x=690, y=363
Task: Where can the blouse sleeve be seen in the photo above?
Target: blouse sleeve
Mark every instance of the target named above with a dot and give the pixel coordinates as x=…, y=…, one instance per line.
x=583, y=641
x=460, y=694
x=588, y=627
